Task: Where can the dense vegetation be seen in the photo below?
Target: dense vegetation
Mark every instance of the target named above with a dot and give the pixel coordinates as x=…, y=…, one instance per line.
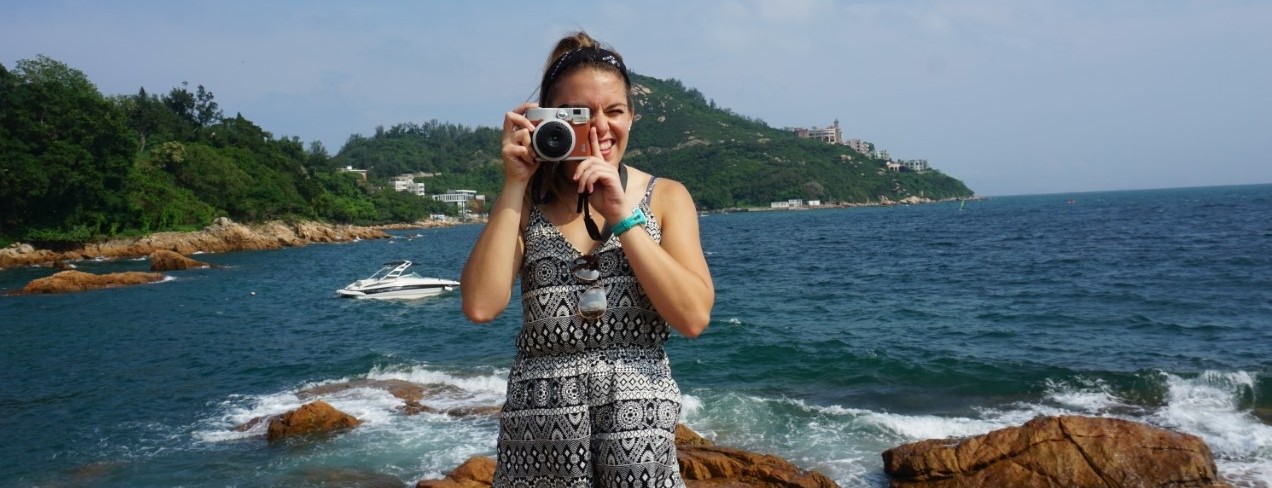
x=727, y=160
x=79, y=166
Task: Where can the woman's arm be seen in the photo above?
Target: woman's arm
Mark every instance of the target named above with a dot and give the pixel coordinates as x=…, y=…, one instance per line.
x=673, y=274
x=491, y=270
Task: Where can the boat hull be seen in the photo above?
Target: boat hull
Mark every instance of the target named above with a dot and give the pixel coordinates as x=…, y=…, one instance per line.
x=394, y=282
x=397, y=292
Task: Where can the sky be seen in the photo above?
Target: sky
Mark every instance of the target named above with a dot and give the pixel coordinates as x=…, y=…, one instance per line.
x=1010, y=96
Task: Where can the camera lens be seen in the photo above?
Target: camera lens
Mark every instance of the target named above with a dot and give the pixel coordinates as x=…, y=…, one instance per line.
x=553, y=140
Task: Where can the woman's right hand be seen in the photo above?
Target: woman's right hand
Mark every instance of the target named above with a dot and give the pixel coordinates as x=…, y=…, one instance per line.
x=517, y=155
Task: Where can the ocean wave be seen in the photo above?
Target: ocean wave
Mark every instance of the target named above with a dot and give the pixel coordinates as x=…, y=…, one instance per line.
x=841, y=441
x=845, y=442
x=377, y=408
x=1218, y=407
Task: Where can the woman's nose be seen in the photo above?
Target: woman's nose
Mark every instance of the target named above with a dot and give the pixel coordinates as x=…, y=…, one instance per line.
x=601, y=122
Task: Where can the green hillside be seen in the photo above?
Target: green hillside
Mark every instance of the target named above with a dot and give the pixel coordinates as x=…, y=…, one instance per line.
x=730, y=160
x=79, y=166
x=726, y=160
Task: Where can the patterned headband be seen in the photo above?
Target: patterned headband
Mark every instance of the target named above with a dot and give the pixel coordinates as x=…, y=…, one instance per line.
x=586, y=55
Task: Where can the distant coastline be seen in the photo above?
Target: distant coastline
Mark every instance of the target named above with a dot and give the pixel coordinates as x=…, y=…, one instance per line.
x=884, y=203
x=225, y=235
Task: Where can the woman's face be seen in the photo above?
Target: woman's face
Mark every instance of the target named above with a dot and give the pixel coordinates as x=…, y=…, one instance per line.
x=603, y=93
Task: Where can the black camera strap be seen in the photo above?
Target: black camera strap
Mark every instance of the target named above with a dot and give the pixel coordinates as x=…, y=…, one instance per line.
x=592, y=230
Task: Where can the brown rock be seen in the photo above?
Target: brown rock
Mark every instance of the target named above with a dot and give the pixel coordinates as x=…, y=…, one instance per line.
x=702, y=465
x=71, y=280
x=19, y=254
x=1067, y=451
x=476, y=472
x=223, y=235
x=163, y=260
x=687, y=437
x=316, y=416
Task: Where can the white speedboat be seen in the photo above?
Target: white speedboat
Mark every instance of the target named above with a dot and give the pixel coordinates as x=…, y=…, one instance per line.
x=393, y=282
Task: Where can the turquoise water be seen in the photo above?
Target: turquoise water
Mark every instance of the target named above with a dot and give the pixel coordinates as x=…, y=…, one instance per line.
x=836, y=334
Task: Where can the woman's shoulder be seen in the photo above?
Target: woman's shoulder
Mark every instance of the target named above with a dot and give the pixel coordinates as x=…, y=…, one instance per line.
x=668, y=195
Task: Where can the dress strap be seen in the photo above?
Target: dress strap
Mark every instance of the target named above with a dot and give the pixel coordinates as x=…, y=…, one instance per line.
x=649, y=190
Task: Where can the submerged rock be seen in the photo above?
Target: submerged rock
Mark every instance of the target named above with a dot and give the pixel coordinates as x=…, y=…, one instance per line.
x=1066, y=451
x=411, y=393
x=318, y=477
x=405, y=390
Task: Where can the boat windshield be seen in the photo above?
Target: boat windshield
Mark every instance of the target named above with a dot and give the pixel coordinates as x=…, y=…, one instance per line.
x=390, y=270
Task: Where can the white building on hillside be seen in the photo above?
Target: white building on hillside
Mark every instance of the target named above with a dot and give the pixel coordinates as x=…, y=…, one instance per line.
x=359, y=172
x=407, y=183
x=460, y=198
x=830, y=134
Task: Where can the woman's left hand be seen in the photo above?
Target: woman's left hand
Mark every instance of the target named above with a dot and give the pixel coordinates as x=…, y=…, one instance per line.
x=601, y=180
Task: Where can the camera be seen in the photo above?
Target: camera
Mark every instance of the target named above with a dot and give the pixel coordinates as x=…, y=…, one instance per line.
x=560, y=134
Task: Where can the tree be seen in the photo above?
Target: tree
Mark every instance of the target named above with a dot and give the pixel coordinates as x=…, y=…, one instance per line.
x=67, y=153
x=196, y=111
x=206, y=111
x=146, y=115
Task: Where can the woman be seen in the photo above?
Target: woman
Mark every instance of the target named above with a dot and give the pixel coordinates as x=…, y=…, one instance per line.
x=591, y=400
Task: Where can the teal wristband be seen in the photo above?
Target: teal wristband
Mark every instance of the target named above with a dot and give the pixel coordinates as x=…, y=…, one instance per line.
x=637, y=218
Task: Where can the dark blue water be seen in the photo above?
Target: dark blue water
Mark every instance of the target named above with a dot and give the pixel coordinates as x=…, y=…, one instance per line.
x=836, y=334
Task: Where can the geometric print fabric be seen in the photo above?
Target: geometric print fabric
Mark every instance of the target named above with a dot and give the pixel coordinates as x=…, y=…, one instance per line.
x=589, y=402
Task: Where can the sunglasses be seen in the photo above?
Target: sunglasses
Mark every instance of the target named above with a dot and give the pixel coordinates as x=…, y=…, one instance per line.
x=592, y=303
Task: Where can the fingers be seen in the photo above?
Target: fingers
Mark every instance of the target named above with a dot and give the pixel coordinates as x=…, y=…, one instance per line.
x=595, y=142
x=519, y=161
x=516, y=120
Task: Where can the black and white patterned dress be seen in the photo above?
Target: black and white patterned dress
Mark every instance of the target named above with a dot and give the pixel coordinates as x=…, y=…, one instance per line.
x=590, y=402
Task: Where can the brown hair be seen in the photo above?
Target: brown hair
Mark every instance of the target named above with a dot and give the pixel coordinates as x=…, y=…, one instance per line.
x=572, y=53
x=575, y=51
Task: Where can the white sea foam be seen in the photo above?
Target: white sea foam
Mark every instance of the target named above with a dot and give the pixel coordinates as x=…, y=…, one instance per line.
x=378, y=409
x=1087, y=396
x=845, y=442
x=1216, y=407
x=689, y=406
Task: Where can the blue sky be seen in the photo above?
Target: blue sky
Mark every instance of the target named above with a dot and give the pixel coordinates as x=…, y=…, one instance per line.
x=1011, y=96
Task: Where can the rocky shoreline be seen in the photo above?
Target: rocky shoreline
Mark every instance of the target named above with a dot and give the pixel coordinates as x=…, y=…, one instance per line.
x=1048, y=451
x=223, y=235
x=1069, y=451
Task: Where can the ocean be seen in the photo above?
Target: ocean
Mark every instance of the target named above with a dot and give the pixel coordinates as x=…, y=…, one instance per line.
x=836, y=334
